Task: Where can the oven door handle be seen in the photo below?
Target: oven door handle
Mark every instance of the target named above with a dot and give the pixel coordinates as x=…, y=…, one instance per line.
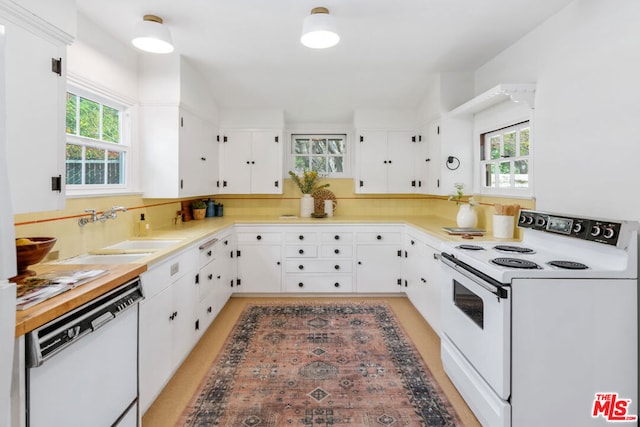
x=475, y=275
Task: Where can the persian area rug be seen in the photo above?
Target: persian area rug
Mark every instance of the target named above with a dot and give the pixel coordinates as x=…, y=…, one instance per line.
x=318, y=365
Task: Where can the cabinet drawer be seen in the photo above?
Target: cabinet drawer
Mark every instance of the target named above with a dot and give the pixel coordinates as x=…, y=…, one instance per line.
x=318, y=266
x=161, y=275
x=209, y=278
x=259, y=238
x=336, y=251
x=301, y=251
x=383, y=237
x=336, y=237
x=325, y=283
x=208, y=251
x=301, y=237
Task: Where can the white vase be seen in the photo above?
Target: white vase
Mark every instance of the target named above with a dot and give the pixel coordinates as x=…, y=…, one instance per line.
x=306, y=206
x=467, y=217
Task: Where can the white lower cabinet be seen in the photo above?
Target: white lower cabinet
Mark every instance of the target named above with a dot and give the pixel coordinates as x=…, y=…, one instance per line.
x=318, y=260
x=213, y=290
x=422, y=277
x=167, y=322
x=379, y=259
x=259, y=260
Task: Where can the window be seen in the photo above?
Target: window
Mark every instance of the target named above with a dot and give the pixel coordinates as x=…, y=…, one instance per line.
x=505, y=160
x=96, y=151
x=325, y=154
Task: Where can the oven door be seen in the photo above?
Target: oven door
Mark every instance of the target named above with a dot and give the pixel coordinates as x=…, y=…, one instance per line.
x=476, y=318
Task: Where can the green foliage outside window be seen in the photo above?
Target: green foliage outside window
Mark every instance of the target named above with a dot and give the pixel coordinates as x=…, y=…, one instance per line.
x=88, y=164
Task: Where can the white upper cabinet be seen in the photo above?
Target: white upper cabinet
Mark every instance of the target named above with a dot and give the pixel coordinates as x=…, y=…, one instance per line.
x=34, y=62
x=385, y=161
x=250, y=162
x=450, y=155
x=179, y=153
x=178, y=149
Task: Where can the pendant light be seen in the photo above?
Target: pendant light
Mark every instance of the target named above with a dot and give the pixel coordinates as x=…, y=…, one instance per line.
x=319, y=29
x=152, y=36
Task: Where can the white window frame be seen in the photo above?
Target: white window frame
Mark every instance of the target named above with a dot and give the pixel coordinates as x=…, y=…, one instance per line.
x=503, y=116
x=347, y=157
x=486, y=138
x=127, y=112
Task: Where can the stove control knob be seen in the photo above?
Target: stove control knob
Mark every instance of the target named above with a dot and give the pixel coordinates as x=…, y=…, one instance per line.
x=596, y=230
x=528, y=220
x=577, y=228
x=541, y=221
x=522, y=219
x=609, y=232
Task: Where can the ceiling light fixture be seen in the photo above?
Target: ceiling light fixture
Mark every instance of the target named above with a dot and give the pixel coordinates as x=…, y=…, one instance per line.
x=152, y=36
x=319, y=30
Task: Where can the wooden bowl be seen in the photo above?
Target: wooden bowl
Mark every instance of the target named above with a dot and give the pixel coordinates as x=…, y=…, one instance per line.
x=32, y=253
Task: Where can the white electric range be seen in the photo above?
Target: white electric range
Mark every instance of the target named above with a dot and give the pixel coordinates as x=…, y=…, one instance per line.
x=534, y=331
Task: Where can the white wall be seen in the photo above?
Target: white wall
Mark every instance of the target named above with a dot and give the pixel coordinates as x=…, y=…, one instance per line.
x=586, y=63
x=99, y=60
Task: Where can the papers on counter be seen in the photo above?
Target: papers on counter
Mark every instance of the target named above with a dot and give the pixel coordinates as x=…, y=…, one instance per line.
x=35, y=289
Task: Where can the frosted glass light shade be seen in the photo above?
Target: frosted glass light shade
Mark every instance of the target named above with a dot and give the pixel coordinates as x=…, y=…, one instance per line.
x=319, y=30
x=152, y=36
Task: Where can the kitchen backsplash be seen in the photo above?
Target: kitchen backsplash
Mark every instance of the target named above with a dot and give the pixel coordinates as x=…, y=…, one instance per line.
x=74, y=240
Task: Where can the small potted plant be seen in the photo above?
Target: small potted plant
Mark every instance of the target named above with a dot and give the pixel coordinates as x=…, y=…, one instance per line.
x=467, y=217
x=199, y=208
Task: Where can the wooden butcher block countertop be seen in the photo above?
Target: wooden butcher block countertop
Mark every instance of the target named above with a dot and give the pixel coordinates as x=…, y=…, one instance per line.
x=36, y=316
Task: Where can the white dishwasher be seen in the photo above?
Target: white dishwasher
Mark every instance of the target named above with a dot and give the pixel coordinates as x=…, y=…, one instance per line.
x=82, y=367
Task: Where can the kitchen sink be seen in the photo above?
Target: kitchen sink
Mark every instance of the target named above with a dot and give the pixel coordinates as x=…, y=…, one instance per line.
x=106, y=259
x=148, y=244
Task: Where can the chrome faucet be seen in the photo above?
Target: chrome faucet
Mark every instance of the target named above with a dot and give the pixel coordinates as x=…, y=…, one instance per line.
x=112, y=213
x=92, y=218
x=109, y=214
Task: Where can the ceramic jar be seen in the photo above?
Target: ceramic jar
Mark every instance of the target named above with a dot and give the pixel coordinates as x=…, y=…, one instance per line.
x=306, y=206
x=467, y=217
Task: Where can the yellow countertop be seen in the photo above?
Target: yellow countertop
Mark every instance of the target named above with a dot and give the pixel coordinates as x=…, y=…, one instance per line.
x=191, y=232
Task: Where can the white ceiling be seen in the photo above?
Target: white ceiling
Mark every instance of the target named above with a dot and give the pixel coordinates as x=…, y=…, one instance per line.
x=249, y=50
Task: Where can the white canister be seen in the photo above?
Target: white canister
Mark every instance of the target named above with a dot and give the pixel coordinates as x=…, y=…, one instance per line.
x=328, y=207
x=306, y=206
x=503, y=226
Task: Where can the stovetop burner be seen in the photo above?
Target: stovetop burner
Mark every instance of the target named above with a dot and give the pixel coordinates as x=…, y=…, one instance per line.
x=470, y=247
x=515, y=263
x=514, y=249
x=569, y=265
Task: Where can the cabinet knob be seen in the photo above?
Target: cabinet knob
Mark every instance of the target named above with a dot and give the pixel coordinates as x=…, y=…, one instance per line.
x=413, y=242
x=301, y=267
x=336, y=251
x=210, y=277
x=337, y=267
x=337, y=237
x=204, y=159
x=259, y=237
x=277, y=262
x=209, y=309
x=301, y=251
x=209, y=253
x=359, y=262
x=300, y=285
x=337, y=285
x=248, y=162
x=301, y=237
x=379, y=237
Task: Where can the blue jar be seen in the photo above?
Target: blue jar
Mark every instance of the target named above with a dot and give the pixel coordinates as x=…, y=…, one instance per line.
x=211, y=209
